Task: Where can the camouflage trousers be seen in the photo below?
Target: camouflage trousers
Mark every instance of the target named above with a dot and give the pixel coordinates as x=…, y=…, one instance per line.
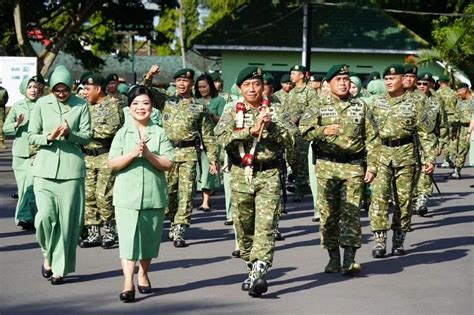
x=256, y=215
x=181, y=179
x=99, y=186
x=402, y=178
x=452, y=139
x=462, y=147
x=339, y=201
x=424, y=186
x=300, y=156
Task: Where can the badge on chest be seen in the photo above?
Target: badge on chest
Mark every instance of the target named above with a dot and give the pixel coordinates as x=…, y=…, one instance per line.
x=328, y=112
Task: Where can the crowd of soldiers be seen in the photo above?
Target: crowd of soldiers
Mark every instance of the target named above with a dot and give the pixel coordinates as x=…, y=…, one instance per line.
x=350, y=147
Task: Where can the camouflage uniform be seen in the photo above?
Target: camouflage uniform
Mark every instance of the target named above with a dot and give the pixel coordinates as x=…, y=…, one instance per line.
x=255, y=205
x=340, y=170
x=449, y=98
x=299, y=99
x=121, y=99
x=3, y=102
x=397, y=120
x=465, y=109
x=106, y=119
x=282, y=96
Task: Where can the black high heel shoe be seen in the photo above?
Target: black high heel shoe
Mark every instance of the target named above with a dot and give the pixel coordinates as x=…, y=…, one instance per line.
x=45, y=272
x=57, y=280
x=127, y=296
x=145, y=289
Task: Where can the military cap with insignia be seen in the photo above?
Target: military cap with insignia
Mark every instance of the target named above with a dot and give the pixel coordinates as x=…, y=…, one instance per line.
x=299, y=68
x=337, y=70
x=426, y=76
x=268, y=78
x=84, y=75
x=463, y=86
x=410, y=68
x=393, y=69
x=94, y=79
x=374, y=76
x=38, y=78
x=112, y=77
x=250, y=72
x=443, y=78
x=285, y=78
x=187, y=73
x=216, y=77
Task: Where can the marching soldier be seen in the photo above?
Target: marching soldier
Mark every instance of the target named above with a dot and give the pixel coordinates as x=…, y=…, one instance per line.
x=450, y=99
x=112, y=82
x=342, y=133
x=106, y=118
x=410, y=75
x=435, y=107
x=315, y=82
x=253, y=138
x=398, y=116
x=186, y=122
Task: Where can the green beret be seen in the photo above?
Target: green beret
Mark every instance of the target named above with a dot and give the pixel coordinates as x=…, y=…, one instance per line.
x=463, y=86
x=299, y=68
x=123, y=88
x=393, y=69
x=285, y=78
x=94, y=79
x=216, y=77
x=60, y=75
x=426, y=76
x=39, y=79
x=443, y=78
x=187, y=73
x=374, y=76
x=84, y=75
x=111, y=77
x=410, y=68
x=268, y=78
x=246, y=73
x=337, y=70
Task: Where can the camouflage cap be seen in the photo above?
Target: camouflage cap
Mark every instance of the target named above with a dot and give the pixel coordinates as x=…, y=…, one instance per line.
x=443, y=78
x=374, y=76
x=299, y=68
x=93, y=79
x=337, y=70
x=393, y=69
x=426, y=76
x=285, y=78
x=268, y=78
x=410, y=68
x=112, y=77
x=187, y=73
x=246, y=73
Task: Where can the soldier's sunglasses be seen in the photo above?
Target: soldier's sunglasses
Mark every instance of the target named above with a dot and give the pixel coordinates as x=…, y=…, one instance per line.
x=422, y=83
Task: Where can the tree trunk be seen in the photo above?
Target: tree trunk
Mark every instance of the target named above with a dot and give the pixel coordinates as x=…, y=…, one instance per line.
x=20, y=30
x=181, y=32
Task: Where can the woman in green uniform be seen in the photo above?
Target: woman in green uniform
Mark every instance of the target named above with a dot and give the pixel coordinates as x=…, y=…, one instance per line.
x=207, y=92
x=17, y=124
x=59, y=123
x=140, y=153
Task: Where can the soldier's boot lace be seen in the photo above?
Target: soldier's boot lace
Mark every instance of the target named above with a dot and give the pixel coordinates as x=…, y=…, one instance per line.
x=422, y=208
x=93, y=238
x=246, y=283
x=349, y=266
x=178, y=240
x=397, y=243
x=258, y=284
x=108, y=239
x=379, y=249
x=171, y=232
x=334, y=264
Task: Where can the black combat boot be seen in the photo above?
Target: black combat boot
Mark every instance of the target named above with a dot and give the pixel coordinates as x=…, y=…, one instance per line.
x=422, y=208
x=278, y=235
x=258, y=284
x=246, y=284
x=379, y=249
x=178, y=237
x=108, y=239
x=334, y=265
x=349, y=266
x=397, y=243
x=93, y=238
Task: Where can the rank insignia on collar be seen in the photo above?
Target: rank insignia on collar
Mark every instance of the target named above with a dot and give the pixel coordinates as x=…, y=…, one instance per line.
x=392, y=71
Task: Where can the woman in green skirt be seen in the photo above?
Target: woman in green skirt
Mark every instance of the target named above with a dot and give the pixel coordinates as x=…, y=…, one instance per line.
x=59, y=124
x=17, y=124
x=140, y=154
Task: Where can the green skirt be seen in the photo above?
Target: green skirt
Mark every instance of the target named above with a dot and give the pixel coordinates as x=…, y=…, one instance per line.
x=139, y=232
x=206, y=181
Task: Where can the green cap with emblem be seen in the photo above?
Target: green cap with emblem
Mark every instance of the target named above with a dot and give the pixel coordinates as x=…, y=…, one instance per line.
x=93, y=79
x=410, y=68
x=268, y=78
x=463, y=86
x=112, y=77
x=393, y=69
x=246, y=73
x=60, y=75
x=187, y=73
x=443, y=78
x=216, y=77
x=299, y=68
x=285, y=78
x=337, y=70
x=374, y=76
x=426, y=76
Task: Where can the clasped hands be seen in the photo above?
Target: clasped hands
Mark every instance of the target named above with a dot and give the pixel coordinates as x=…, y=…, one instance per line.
x=141, y=149
x=60, y=131
x=263, y=119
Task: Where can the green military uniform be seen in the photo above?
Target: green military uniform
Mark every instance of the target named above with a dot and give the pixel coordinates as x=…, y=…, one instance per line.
x=340, y=169
x=3, y=102
x=59, y=172
x=106, y=117
x=23, y=155
x=140, y=194
x=281, y=94
x=256, y=192
x=465, y=109
x=397, y=120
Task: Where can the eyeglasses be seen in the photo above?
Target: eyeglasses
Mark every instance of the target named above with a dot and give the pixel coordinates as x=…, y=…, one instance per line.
x=422, y=83
x=61, y=91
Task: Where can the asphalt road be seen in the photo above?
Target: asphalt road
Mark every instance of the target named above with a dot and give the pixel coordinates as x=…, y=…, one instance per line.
x=435, y=277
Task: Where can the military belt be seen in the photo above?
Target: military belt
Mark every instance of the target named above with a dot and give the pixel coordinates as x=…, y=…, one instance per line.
x=397, y=142
x=341, y=158
x=96, y=151
x=183, y=144
x=260, y=166
x=464, y=124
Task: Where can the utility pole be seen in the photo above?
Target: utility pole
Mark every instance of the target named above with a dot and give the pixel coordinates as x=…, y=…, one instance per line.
x=181, y=31
x=307, y=33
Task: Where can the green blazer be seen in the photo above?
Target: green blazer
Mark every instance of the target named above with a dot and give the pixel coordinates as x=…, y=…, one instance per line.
x=63, y=158
x=140, y=185
x=20, y=144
